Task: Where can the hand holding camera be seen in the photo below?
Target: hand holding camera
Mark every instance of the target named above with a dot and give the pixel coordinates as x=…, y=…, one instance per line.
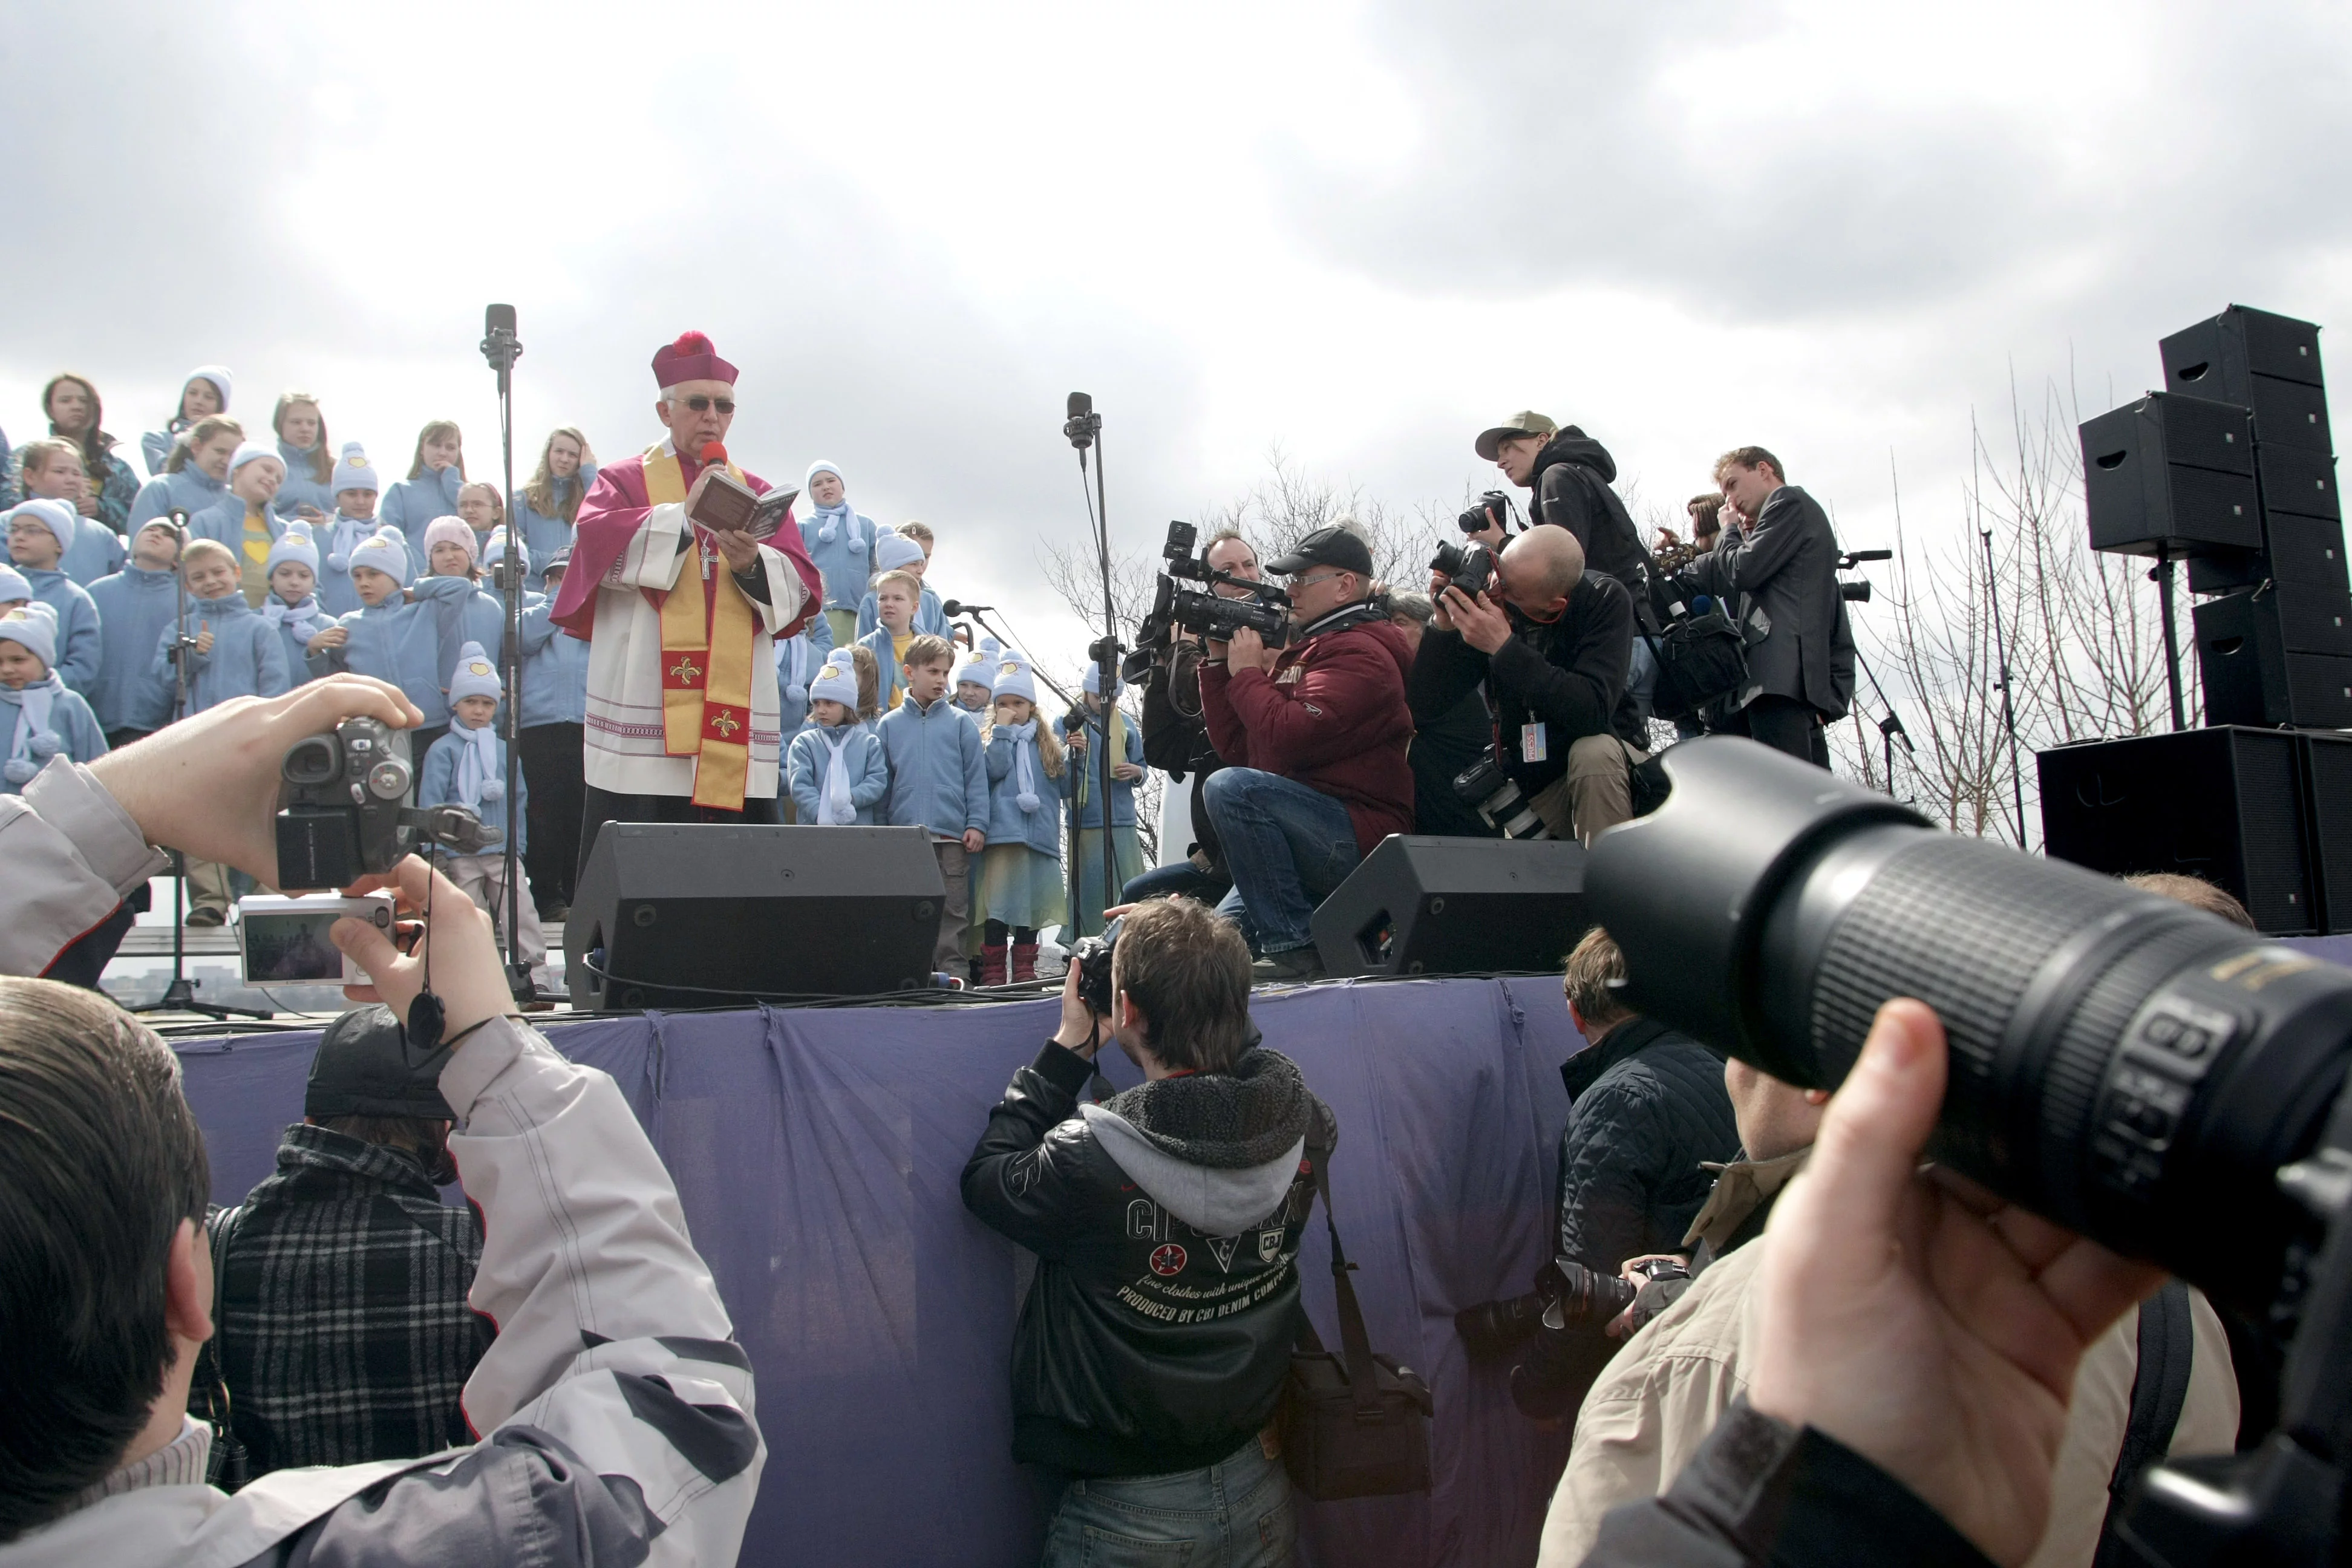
x=174, y=783
x=469, y=974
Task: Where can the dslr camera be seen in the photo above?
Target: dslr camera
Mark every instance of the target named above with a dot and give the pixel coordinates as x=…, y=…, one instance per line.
x=343, y=810
x=1486, y=789
x=1568, y=1307
x=1469, y=567
x=2142, y=1073
x=1198, y=610
x=1091, y=959
x=1491, y=510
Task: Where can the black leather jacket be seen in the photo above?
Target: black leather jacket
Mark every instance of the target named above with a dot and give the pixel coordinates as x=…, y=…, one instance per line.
x=1166, y=1221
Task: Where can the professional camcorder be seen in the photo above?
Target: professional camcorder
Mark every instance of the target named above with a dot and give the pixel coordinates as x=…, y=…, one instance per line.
x=1469, y=567
x=2157, y=1078
x=343, y=810
x=1266, y=611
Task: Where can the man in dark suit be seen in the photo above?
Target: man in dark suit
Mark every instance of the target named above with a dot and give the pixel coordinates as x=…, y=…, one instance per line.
x=1780, y=565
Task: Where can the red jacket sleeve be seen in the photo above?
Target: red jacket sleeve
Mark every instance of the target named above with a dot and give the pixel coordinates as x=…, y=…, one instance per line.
x=1349, y=684
x=1225, y=731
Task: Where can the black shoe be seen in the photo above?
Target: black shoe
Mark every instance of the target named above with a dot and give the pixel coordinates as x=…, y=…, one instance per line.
x=1289, y=966
x=207, y=917
x=554, y=914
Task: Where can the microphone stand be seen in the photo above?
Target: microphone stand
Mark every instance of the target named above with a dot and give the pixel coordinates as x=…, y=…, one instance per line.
x=2161, y=575
x=2008, y=708
x=180, y=995
x=501, y=349
x=1084, y=430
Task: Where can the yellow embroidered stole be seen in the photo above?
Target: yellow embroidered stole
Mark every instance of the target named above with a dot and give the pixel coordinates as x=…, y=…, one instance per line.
x=705, y=652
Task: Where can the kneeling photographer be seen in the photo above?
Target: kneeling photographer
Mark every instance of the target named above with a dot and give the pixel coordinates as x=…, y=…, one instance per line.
x=1551, y=642
x=1155, y=1341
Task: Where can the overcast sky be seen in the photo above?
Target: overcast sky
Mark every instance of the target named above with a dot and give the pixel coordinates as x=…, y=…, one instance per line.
x=1360, y=231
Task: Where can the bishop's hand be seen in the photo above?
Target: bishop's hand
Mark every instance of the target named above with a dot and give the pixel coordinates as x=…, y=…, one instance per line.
x=743, y=551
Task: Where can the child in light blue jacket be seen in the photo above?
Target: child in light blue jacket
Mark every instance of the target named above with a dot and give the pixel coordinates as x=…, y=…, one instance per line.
x=134, y=606
x=40, y=717
x=436, y=475
x=1020, y=888
x=835, y=763
x=352, y=524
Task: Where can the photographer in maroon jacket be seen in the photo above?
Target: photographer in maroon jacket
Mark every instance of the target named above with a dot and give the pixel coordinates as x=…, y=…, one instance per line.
x=1313, y=738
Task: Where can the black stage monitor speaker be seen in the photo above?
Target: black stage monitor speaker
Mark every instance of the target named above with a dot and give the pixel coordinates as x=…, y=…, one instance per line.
x=1455, y=906
x=2328, y=796
x=2223, y=804
x=751, y=913
x=2252, y=674
x=2171, y=475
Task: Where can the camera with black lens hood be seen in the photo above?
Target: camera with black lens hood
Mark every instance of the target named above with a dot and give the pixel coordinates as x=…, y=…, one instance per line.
x=343, y=810
x=2162, y=1081
x=1469, y=567
x=1201, y=611
x=1569, y=1304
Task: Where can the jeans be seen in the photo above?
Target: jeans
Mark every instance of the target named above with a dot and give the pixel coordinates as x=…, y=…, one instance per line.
x=1236, y=1514
x=1288, y=846
x=1183, y=879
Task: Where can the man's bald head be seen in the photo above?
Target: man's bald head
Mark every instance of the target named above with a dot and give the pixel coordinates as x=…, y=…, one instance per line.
x=1541, y=568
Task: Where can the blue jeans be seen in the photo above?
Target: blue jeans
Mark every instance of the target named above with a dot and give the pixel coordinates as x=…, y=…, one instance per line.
x=1183, y=879
x=1288, y=846
x=1236, y=1514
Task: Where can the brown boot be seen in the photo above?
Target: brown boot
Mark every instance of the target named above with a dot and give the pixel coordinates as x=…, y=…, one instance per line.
x=1024, y=961
x=991, y=966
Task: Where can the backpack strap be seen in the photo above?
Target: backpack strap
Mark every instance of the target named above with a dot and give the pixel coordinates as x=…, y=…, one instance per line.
x=2168, y=1341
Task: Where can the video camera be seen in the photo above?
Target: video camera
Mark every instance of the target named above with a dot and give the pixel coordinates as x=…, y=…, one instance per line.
x=2150, y=1076
x=1266, y=611
x=1858, y=592
x=344, y=808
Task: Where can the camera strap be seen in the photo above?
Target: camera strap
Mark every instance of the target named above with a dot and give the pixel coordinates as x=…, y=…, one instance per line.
x=2167, y=1346
x=1355, y=1342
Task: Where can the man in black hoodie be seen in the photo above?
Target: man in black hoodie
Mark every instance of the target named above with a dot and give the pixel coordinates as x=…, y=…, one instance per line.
x=1154, y=1342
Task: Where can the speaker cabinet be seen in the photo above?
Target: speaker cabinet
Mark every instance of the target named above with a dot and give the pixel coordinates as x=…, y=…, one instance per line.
x=2252, y=677
x=2328, y=796
x=2223, y=804
x=1455, y=906
x=721, y=914
x=2298, y=481
x=2171, y=475
x=2217, y=356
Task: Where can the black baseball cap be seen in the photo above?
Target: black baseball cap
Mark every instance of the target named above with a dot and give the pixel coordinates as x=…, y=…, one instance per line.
x=365, y=1068
x=1333, y=546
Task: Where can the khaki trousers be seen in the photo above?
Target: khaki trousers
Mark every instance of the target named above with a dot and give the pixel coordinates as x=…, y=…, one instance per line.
x=1596, y=791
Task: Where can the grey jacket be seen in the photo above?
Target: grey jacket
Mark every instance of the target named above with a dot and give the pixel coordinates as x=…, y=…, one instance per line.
x=1783, y=568
x=615, y=1407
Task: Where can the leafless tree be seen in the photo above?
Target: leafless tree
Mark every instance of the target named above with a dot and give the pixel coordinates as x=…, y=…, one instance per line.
x=2083, y=633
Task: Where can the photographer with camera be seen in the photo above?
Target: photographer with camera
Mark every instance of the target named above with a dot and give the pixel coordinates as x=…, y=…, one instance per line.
x=1647, y=1115
x=615, y=1407
x=1572, y=476
x=1314, y=739
x=1155, y=1341
x=1550, y=641
x=1176, y=736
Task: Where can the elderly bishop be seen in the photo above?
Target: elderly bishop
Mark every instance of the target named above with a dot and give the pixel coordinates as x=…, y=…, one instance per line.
x=682, y=717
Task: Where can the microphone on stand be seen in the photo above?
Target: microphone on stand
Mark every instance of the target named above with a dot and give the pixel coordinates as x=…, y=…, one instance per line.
x=958, y=607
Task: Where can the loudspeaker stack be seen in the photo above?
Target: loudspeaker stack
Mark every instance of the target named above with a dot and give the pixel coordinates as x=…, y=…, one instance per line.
x=2231, y=469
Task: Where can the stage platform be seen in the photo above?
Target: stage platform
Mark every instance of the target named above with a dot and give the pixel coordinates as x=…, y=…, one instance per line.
x=818, y=1152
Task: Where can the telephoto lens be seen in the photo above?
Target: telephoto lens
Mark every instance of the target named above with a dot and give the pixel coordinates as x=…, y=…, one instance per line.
x=2134, y=1069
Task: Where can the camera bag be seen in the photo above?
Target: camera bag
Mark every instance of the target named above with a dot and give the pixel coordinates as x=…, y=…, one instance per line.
x=1700, y=658
x=1355, y=1423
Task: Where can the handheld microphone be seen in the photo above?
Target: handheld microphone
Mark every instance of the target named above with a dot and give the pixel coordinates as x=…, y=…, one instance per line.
x=713, y=455
x=958, y=607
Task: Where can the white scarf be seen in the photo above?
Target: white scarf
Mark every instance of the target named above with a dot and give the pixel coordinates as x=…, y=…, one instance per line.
x=34, y=743
x=305, y=615
x=1024, y=778
x=481, y=776
x=349, y=532
x=830, y=529
x=795, y=652
x=835, y=810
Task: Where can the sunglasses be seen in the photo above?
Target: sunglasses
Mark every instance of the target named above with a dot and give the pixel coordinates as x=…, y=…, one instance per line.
x=703, y=404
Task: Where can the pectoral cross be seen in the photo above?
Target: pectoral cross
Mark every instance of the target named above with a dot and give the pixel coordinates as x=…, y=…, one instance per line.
x=709, y=557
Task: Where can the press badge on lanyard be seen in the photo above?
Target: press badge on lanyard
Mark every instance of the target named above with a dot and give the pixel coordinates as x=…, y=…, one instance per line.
x=1532, y=748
